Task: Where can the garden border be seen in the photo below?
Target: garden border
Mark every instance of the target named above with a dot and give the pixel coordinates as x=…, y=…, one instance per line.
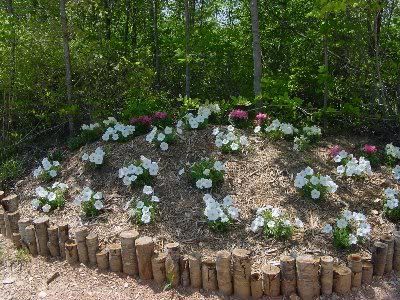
x=304, y=277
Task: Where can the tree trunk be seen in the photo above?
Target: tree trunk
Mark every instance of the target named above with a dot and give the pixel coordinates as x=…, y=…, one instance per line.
x=187, y=49
x=377, y=30
x=156, y=50
x=67, y=59
x=256, y=47
x=106, y=4
x=134, y=25
x=326, y=70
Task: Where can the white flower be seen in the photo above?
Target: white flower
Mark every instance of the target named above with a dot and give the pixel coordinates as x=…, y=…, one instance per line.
x=146, y=218
x=243, y=140
x=51, y=196
x=271, y=224
x=160, y=137
x=139, y=204
x=35, y=204
x=181, y=172
x=257, y=129
x=227, y=201
x=341, y=223
x=219, y=166
x=314, y=180
x=347, y=215
x=148, y=190
x=167, y=130
x=85, y=157
x=46, y=208
x=315, y=194
x=298, y=223
x=53, y=173
x=41, y=192
x=98, y=196
x=155, y=199
x=233, y=212
x=234, y=146
x=215, y=131
x=257, y=223
x=98, y=205
x=164, y=146
x=327, y=229
x=206, y=172
x=231, y=128
x=340, y=169
x=275, y=212
x=396, y=172
x=352, y=239
x=309, y=171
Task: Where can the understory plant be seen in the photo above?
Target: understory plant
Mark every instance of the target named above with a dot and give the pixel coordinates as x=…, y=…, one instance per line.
x=274, y=223
x=220, y=216
x=141, y=172
x=143, y=210
x=47, y=170
x=313, y=185
x=163, y=137
x=94, y=159
x=207, y=173
x=89, y=133
x=391, y=205
x=228, y=141
x=392, y=154
x=119, y=132
x=351, y=166
x=200, y=119
x=350, y=228
x=49, y=199
x=90, y=201
x=10, y=169
x=277, y=130
x=309, y=135
x=396, y=172
x=239, y=117
x=371, y=153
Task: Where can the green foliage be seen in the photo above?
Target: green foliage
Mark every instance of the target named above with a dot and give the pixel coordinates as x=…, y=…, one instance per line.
x=84, y=137
x=10, y=170
x=280, y=230
x=89, y=210
x=22, y=255
x=341, y=238
x=205, y=169
x=219, y=226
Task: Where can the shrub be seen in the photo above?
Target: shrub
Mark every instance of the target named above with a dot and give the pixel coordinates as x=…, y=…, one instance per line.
x=220, y=216
x=228, y=141
x=391, y=205
x=371, y=153
x=274, y=223
x=207, y=173
x=141, y=172
x=143, y=210
x=10, y=170
x=239, y=117
x=47, y=170
x=50, y=199
x=350, y=228
x=309, y=136
x=314, y=186
x=90, y=202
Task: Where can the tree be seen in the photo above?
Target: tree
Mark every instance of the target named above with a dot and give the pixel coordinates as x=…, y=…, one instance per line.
x=256, y=48
x=187, y=49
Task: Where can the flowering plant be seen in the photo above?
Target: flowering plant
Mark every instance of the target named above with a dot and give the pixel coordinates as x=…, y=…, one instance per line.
x=163, y=137
x=142, y=123
x=228, y=141
x=90, y=127
x=261, y=118
x=201, y=119
x=239, y=117
x=274, y=223
x=118, y=132
x=314, y=186
x=47, y=170
x=313, y=133
x=277, y=130
x=352, y=166
x=207, y=172
x=140, y=172
x=110, y=121
x=90, y=201
x=349, y=229
x=220, y=216
x=51, y=198
x=396, y=172
x=95, y=158
x=334, y=150
x=392, y=154
x=144, y=209
x=391, y=205
x=371, y=153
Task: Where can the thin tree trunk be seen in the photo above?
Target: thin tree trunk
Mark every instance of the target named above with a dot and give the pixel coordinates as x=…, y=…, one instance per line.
x=187, y=49
x=256, y=47
x=108, y=19
x=128, y=9
x=134, y=25
x=377, y=30
x=326, y=70
x=67, y=59
x=156, y=50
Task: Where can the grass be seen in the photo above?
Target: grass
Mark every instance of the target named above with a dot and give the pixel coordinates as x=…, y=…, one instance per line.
x=22, y=255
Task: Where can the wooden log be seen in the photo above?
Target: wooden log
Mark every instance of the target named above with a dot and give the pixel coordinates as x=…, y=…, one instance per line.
x=16, y=239
x=13, y=218
x=71, y=252
x=389, y=241
x=114, y=253
x=63, y=236
x=31, y=240
x=288, y=273
x=2, y=195
x=396, y=252
x=172, y=264
x=158, y=267
x=2, y=223
x=144, y=252
x=128, y=252
x=256, y=285
x=92, y=244
x=80, y=236
x=379, y=253
x=326, y=275
x=102, y=260
x=271, y=280
x=22, y=224
x=224, y=275
x=7, y=226
x=41, y=224
x=209, y=274
x=53, y=244
x=241, y=273
x=307, y=277
x=195, y=270
x=10, y=203
x=355, y=264
x=185, y=271
x=341, y=279
x=367, y=272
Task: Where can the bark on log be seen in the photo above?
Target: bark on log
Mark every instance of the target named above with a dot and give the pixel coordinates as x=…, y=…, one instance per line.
x=185, y=271
x=63, y=236
x=195, y=270
x=102, y=260
x=256, y=285
x=22, y=224
x=379, y=254
x=389, y=240
x=53, y=244
x=128, y=252
x=41, y=224
x=307, y=277
x=13, y=218
x=10, y=203
x=241, y=273
x=16, y=239
x=114, y=252
x=367, y=272
x=224, y=275
x=144, y=252
x=396, y=254
x=355, y=265
x=271, y=280
x=288, y=273
x=158, y=267
x=7, y=226
x=80, y=236
x=341, y=279
x=71, y=252
x=209, y=274
x=31, y=240
x=326, y=275
x=172, y=264
x=2, y=223
x=92, y=244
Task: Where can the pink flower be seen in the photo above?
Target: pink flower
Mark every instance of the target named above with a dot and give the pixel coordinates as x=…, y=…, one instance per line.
x=261, y=118
x=370, y=149
x=160, y=115
x=238, y=114
x=142, y=120
x=334, y=150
